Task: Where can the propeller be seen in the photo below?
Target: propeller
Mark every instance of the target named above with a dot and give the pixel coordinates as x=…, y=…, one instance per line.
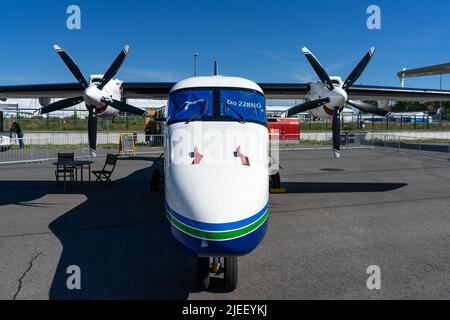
x=62, y=104
x=308, y=105
x=93, y=94
x=368, y=108
x=357, y=72
x=92, y=131
x=337, y=134
x=320, y=71
x=336, y=97
x=124, y=107
x=114, y=68
x=71, y=65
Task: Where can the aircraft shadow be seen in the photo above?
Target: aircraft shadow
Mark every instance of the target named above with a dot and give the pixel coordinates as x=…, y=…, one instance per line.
x=119, y=240
x=118, y=237
x=340, y=187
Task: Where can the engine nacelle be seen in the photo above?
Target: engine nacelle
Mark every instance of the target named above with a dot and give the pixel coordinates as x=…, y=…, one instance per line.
x=106, y=112
x=386, y=104
x=44, y=101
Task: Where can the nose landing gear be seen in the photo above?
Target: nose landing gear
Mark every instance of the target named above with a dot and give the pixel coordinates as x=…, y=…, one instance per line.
x=226, y=266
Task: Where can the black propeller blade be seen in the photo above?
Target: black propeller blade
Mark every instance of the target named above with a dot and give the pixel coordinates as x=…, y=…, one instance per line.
x=356, y=73
x=320, y=71
x=92, y=131
x=114, y=67
x=368, y=108
x=124, y=107
x=309, y=105
x=71, y=65
x=337, y=134
x=62, y=104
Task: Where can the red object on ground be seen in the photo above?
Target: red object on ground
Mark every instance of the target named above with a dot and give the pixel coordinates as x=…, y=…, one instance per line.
x=284, y=129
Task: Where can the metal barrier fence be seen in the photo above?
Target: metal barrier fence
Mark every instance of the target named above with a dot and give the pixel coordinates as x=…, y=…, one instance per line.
x=321, y=140
x=47, y=148
x=431, y=147
x=436, y=146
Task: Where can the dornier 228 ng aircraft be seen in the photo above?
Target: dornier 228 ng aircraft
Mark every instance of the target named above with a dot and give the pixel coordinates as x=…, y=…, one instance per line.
x=217, y=205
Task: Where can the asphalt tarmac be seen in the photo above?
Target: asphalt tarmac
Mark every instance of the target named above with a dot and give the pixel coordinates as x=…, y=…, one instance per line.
x=338, y=217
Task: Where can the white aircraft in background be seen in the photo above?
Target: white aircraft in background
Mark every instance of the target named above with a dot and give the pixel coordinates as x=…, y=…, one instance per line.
x=216, y=185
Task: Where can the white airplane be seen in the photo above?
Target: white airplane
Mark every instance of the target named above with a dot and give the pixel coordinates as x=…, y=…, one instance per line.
x=216, y=161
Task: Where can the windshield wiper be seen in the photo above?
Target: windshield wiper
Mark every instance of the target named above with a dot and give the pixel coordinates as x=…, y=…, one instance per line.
x=243, y=121
x=201, y=111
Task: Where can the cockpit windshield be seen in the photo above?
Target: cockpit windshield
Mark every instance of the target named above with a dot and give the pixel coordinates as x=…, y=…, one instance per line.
x=217, y=104
x=190, y=105
x=243, y=105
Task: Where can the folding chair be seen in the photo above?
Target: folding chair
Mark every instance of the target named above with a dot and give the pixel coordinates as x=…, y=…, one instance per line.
x=65, y=171
x=104, y=175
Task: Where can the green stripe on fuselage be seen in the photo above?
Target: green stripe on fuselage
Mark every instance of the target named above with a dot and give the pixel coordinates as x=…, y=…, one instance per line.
x=218, y=235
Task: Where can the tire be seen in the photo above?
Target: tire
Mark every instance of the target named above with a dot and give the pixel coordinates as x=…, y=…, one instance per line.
x=156, y=178
x=230, y=275
x=276, y=181
x=203, y=275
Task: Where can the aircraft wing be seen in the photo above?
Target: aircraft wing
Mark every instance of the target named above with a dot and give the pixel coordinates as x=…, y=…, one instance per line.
x=285, y=90
x=154, y=90
x=356, y=92
x=61, y=90
x=397, y=94
x=147, y=90
x=160, y=90
x=425, y=71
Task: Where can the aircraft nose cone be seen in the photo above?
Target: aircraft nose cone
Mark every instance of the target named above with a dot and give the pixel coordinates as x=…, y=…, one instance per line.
x=93, y=96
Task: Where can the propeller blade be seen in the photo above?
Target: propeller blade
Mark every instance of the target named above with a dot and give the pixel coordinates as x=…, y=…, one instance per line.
x=92, y=132
x=320, y=71
x=356, y=73
x=124, y=107
x=60, y=105
x=337, y=134
x=309, y=105
x=368, y=108
x=114, y=67
x=71, y=65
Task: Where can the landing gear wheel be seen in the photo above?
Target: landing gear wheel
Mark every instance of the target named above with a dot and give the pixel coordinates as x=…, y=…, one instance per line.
x=203, y=276
x=276, y=181
x=230, y=275
x=156, y=178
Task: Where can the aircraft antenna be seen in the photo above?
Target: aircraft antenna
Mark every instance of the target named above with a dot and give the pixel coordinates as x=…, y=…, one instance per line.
x=216, y=68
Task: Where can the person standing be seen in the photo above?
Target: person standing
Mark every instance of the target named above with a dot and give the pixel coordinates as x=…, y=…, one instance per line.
x=16, y=128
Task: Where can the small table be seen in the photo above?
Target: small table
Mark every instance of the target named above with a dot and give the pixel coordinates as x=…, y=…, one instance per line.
x=75, y=164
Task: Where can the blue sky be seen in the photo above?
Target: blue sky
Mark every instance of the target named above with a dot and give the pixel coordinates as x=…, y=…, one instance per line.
x=260, y=40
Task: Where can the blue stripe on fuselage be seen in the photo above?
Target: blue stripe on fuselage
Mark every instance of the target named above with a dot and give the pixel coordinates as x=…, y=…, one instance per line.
x=217, y=226
x=204, y=248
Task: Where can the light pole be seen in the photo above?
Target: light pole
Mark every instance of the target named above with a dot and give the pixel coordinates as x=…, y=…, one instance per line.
x=195, y=63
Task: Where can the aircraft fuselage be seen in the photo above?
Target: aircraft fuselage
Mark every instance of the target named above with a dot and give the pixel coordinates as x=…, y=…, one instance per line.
x=216, y=166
